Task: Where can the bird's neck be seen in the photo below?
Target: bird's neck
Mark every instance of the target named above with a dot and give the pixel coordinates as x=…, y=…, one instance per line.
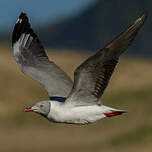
x=56, y=111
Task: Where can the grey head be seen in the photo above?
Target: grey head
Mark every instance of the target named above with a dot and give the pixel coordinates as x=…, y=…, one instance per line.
x=42, y=108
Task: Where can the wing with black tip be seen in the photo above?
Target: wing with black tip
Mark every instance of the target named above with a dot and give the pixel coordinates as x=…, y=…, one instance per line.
x=34, y=62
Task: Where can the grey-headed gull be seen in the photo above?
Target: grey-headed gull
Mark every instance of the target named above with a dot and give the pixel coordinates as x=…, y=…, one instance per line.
x=78, y=102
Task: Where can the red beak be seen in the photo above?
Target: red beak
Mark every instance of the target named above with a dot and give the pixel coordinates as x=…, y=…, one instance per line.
x=28, y=110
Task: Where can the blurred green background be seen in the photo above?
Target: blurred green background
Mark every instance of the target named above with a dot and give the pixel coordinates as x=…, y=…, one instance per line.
x=70, y=36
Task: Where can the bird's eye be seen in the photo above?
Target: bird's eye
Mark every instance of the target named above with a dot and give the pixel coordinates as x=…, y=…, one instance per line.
x=41, y=106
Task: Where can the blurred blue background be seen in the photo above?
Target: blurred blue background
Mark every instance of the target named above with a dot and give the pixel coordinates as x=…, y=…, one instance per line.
x=80, y=25
x=40, y=11
x=72, y=30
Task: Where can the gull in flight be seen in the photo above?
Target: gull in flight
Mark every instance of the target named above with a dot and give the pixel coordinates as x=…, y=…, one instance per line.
x=78, y=102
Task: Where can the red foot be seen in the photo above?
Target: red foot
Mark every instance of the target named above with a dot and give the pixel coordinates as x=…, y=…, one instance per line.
x=113, y=113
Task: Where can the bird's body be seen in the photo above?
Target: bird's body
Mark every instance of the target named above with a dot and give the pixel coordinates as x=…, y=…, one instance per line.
x=63, y=113
x=77, y=102
x=78, y=115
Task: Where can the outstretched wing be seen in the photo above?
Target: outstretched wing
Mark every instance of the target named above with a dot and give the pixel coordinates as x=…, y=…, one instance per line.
x=92, y=76
x=33, y=61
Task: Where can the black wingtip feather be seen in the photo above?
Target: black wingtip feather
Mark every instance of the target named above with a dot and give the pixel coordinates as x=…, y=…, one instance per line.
x=145, y=15
x=22, y=26
x=22, y=15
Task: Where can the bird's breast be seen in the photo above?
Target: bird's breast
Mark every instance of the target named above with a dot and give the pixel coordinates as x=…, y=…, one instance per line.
x=75, y=115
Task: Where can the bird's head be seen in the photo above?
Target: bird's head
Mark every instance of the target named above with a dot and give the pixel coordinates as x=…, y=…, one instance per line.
x=42, y=107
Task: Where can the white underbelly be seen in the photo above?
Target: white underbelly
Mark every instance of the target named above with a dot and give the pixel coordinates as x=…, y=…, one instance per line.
x=77, y=115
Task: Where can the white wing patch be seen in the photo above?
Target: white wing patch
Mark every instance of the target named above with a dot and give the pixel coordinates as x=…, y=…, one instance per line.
x=19, y=21
x=22, y=42
x=16, y=50
x=17, y=45
x=26, y=37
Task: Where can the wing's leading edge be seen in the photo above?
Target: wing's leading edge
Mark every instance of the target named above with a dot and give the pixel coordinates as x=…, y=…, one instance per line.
x=92, y=76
